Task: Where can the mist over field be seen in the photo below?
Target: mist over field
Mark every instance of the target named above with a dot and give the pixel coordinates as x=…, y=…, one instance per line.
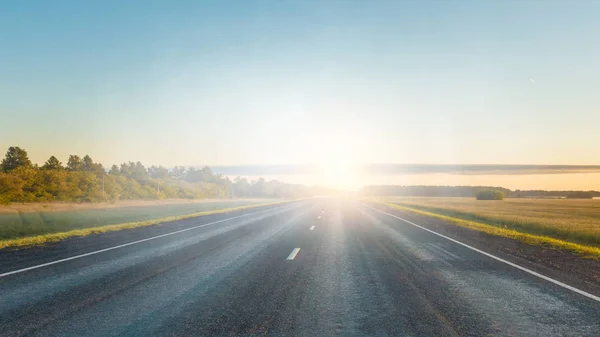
x=549, y=177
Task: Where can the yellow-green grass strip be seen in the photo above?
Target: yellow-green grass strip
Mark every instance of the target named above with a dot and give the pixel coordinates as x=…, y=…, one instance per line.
x=40, y=240
x=531, y=239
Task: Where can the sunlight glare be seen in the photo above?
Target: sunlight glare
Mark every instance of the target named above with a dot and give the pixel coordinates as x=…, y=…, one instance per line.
x=340, y=174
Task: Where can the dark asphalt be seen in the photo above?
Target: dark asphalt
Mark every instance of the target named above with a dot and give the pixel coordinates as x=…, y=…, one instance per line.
x=358, y=273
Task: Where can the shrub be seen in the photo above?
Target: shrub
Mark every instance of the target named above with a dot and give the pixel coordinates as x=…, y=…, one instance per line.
x=489, y=195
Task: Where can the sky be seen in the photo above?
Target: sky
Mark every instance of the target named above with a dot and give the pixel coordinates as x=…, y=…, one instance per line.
x=302, y=82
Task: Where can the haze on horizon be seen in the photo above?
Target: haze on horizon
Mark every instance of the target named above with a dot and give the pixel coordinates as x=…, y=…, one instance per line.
x=326, y=83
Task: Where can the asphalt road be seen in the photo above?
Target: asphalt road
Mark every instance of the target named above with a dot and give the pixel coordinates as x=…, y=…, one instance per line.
x=357, y=272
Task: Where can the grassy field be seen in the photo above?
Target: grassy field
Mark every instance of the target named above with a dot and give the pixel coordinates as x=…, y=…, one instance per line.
x=21, y=224
x=576, y=221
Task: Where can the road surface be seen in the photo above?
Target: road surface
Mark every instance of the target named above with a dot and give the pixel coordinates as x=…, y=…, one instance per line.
x=316, y=267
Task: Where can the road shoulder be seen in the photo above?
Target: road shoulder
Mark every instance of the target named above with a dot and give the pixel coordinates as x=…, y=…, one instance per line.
x=564, y=266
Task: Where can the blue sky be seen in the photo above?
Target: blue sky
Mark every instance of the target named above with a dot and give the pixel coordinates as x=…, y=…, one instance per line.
x=302, y=82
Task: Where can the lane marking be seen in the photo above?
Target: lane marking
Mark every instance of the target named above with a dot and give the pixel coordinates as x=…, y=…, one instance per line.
x=130, y=243
x=293, y=254
x=544, y=277
x=311, y=228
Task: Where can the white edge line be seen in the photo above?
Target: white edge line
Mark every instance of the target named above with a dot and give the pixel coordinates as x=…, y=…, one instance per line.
x=311, y=228
x=293, y=254
x=544, y=277
x=129, y=243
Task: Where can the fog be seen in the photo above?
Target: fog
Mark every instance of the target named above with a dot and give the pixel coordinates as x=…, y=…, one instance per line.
x=352, y=178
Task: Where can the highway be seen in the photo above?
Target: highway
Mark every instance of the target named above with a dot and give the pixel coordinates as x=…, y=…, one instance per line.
x=316, y=267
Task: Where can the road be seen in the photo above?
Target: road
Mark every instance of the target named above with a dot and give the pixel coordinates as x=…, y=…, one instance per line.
x=316, y=267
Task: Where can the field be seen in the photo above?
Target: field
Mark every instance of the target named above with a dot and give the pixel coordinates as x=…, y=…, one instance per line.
x=18, y=221
x=576, y=221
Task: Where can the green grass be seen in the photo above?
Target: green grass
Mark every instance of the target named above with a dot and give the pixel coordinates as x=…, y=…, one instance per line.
x=570, y=224
x=29, y=229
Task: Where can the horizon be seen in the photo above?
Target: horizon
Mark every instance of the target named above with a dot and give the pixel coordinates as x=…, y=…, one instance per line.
x=352, y=177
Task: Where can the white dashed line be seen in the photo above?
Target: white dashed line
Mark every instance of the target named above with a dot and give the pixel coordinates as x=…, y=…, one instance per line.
x=293, y=254
x=312, y=228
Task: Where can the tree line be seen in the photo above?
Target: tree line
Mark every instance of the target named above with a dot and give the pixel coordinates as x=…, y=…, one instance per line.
x=428, y=191
x=470, y=191
x=83, y=180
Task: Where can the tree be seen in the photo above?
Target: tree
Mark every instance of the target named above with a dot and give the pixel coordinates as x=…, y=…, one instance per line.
x=580, y=195
x=15, y=157
x=259, y=188
x=114, y=170
x=241, y=187
x=89, y=165
x=75, y=163
x=55, y=183
x=489, y=195
x=192, y=175
x=133, y=170
x=81, y=182
x=114, y=185
x=140, y=173
x=159, y=172
x=178, y=172
x=90, y=186
x=206, y=174
x=34, y=184
x=52, y=164
x=126, y=169
x=11, y=188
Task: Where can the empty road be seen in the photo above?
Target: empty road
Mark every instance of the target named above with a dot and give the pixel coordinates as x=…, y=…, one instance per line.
x=315, y=267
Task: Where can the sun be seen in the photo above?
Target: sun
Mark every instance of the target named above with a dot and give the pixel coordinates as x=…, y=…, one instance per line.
x=340, y=174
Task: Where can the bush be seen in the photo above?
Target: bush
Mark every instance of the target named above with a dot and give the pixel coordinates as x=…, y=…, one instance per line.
x=489, y=195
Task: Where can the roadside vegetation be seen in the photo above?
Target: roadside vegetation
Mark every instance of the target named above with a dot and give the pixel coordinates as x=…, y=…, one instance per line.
x=571, y=221
x=61, y=226
x=21, y=224
x=42, y=189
